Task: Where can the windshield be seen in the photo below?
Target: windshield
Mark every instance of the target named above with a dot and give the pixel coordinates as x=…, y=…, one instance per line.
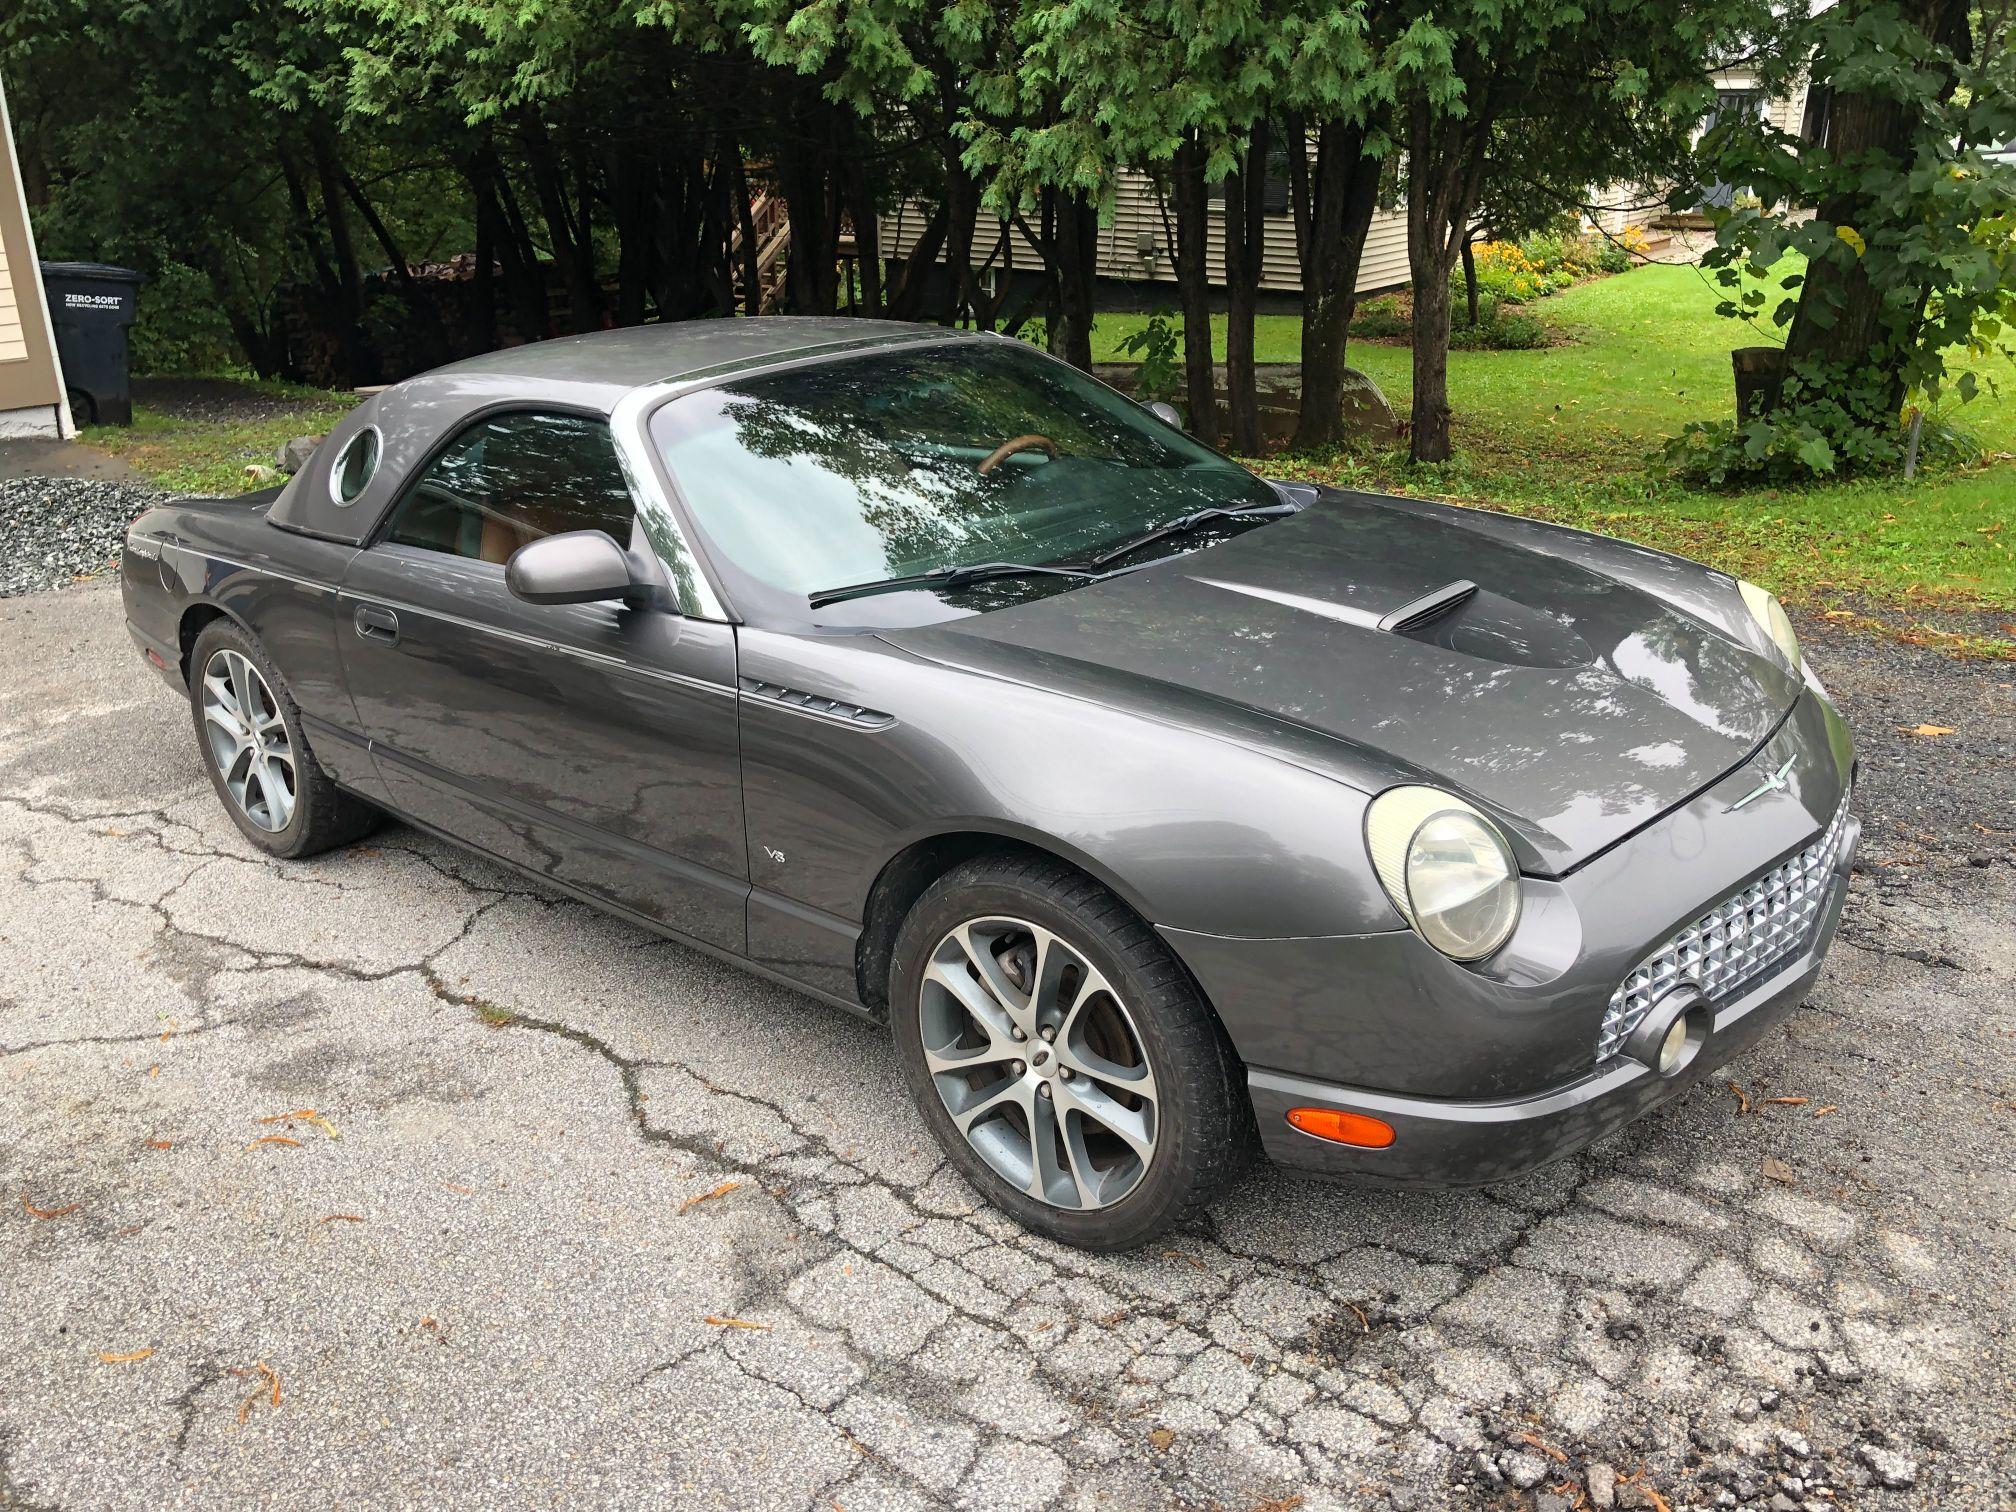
x=923, y=458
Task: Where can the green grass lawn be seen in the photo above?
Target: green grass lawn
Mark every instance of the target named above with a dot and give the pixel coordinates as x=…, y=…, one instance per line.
x=1565, y=433
x=200, y=456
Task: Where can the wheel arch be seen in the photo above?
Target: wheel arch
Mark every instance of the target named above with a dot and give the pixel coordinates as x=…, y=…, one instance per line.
x=195, y=619
x=907, y=874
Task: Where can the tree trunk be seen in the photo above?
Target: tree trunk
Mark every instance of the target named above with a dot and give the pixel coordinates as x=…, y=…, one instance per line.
x=1470, y=280
x=906, y=295
x=867, y=240
x=479, y=330
x=633, y=195
x=1077, y=248
x=962, y=210
x=805, y=173
x=576, y=270
x=1245, y=253
x=1333, y=204
x=1444, y=163
x=350, y=281
x=1193, y=288
x=1841, y=318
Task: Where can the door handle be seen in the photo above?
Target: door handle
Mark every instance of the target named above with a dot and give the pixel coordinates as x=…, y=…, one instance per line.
x=375, y=624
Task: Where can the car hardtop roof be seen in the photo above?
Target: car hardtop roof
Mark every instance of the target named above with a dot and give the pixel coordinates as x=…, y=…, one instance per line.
x=601, y=367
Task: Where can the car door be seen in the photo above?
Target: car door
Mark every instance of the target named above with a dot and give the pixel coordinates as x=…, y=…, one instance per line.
x=595, y=744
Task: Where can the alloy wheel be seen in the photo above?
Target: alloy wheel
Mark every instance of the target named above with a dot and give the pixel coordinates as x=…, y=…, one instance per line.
x=248, y=740
x=1039, y=1063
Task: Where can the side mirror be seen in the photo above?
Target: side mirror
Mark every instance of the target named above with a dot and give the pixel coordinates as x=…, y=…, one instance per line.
x=577, y=567
x=1164, y=411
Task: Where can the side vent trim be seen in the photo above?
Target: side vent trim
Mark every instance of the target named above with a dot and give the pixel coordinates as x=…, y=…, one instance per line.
x=815, y=704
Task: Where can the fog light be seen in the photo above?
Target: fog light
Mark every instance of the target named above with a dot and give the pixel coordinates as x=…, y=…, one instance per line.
x=1340, y=1127
x=1671, y=1047
x=1672, y=1032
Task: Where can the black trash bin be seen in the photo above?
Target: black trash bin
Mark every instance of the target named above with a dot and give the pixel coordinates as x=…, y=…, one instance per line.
x=91, y=305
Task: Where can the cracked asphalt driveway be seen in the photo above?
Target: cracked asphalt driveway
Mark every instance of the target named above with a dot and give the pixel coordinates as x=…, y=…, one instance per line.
x=581, y=1216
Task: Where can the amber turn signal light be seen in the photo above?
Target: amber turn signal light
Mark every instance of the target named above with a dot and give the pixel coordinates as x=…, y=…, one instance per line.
x=1340, y=1127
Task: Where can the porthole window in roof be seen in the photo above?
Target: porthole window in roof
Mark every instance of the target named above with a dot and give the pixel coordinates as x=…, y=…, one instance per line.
x=354, y=467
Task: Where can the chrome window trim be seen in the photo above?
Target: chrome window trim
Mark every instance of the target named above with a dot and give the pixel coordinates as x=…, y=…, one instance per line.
x=692, y=576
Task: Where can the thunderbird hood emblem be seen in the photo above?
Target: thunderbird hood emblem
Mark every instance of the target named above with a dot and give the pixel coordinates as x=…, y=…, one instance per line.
x=1774, y=782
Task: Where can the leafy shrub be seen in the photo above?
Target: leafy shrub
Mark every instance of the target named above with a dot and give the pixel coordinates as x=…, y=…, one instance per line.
x=178, y=327
x=1506, y=331
x=1159, y=346
x=1505, y=272
x=1620, y=253
x=1381, y=317
x=1499, y=328
x=1828, y=422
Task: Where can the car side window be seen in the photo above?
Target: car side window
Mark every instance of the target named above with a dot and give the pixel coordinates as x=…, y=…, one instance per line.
x=511, y=478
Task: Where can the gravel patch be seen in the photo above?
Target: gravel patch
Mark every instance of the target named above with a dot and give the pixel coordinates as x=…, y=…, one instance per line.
x=58, y=530
x=1937, y=739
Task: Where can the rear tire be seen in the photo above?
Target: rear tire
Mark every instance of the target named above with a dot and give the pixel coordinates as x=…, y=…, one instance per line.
x=1101, y=1108
x=249, y=733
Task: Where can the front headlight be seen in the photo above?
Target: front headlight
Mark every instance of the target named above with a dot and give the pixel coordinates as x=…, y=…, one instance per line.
x=1446, y=868
x=1768, y=612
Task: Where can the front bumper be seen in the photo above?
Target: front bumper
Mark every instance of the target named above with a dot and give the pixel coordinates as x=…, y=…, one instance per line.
x=1490, y=1069
x=1446, y=1142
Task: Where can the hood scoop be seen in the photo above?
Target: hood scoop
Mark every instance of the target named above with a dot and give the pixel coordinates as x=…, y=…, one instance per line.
x=1458, y=617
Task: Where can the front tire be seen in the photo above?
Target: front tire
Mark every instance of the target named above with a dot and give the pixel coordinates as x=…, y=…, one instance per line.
x=1064, y=1059
x=249, y=733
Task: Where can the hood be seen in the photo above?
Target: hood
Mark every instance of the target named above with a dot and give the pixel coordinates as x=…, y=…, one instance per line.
x=1571, y=705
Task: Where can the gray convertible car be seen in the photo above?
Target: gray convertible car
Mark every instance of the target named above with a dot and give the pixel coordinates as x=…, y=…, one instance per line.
x=1159, y=809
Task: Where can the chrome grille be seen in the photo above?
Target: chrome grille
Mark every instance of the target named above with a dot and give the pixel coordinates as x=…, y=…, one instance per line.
x=1733, y=942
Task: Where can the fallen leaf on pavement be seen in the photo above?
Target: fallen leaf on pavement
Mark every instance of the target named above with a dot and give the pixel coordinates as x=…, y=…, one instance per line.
x=1826, y=1108
x=160, y=1144
x=1547, y=1449
x=275, y=1139
x=456, y=1186
x=1786, y=1102
x=269, y=1374
x=303, y=1115
x=1777, y=1170
x=35, y=1212
x=1929, y=731
x=735, y=1323
x=127, y=1358
x=1839, y=614
x=1190, y=1260
x=720, y=1191
x=340, y=1218
x=1742, y=1098
x=1162, y=1438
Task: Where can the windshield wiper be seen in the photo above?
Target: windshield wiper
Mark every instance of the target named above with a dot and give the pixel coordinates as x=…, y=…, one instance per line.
x=946, y=577
x=1189, y=523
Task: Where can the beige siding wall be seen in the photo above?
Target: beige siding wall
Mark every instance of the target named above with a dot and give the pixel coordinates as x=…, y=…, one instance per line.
x=1138, y=228
x=13, y=336
x=28, y=370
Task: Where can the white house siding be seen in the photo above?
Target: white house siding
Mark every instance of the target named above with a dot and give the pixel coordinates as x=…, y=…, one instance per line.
x=1138, y=222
